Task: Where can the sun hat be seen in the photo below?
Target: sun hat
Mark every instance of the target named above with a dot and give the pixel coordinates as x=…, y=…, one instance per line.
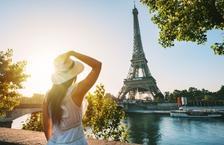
x=65, y=69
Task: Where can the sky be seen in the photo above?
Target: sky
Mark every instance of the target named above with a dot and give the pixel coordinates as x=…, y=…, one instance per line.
x=39, y=30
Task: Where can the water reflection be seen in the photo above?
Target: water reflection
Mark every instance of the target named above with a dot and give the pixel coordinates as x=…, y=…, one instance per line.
x=146, y=127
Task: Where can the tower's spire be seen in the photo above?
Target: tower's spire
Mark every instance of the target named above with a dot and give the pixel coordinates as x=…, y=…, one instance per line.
x=138, y=49
x=134, y=3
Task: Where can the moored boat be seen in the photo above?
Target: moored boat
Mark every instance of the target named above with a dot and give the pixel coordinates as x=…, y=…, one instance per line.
x=195, y=114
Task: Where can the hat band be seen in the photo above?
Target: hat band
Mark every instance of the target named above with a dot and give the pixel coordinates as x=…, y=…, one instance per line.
x=70, y=67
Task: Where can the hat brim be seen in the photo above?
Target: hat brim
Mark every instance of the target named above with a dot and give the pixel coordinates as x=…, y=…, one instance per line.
x=61, y=77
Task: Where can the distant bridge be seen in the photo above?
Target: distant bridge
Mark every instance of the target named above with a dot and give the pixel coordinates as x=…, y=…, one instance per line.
x=19, y=111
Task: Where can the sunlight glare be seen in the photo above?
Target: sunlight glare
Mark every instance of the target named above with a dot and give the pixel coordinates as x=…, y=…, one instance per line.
x=40, y=70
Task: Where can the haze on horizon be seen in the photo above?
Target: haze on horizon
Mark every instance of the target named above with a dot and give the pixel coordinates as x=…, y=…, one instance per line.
x=38, y=31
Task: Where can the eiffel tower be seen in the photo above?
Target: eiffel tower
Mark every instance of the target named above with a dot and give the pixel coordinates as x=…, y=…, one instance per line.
x=139, y=78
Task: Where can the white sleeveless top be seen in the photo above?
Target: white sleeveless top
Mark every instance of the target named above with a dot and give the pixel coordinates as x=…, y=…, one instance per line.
x=70, y=130
x=71, y=113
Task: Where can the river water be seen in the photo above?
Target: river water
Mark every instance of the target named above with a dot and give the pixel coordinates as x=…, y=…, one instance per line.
x=151, y=129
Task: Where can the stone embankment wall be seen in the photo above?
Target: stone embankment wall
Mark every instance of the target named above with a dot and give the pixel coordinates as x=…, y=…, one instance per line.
x=24, y=137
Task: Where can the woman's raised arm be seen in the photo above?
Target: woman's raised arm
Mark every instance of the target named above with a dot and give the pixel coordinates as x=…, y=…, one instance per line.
x=84, y=86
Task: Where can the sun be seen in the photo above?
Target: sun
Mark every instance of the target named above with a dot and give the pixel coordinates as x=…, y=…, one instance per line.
x=40, y=70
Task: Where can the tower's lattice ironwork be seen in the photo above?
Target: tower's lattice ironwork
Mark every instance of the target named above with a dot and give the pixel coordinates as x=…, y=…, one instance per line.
x=139, y=78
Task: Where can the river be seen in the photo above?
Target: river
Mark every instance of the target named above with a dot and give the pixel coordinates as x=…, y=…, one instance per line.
x=151, y=129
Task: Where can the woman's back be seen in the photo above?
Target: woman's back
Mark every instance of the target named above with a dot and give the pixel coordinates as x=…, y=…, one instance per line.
x=71, y=113
x=70, y=128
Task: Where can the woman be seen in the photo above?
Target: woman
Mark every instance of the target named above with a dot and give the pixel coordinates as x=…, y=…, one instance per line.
x=62, y=107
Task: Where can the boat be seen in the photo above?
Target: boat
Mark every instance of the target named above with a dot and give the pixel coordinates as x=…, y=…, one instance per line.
x=195, y=113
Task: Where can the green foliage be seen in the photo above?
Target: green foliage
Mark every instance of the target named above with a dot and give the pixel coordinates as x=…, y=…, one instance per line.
x=11, y=77
x=35, y=122
x=159, y=97
x=208, y=98
x=218, y=48
x=219, y=94
x=193, y=94
x=187, y=20
x=104, y=116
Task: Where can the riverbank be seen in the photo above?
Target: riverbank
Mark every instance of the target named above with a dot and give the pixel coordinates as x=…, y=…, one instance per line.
x=143, y=109
x=150, y=111
x=24, y=137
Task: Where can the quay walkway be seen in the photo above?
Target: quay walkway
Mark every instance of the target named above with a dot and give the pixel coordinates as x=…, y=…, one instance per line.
x=24, y=137
x=144, y=111
x=149, y=111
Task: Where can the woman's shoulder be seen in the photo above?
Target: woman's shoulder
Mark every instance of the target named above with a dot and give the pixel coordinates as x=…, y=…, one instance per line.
x=70, y=95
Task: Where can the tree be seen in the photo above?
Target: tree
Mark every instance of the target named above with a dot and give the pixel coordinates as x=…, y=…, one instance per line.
x=166, y=96
x=208, y=98
x=193, y=94
x=218, y=48
x=159, y=97
x=187, y=20
x=35, y=122
x=219, y=94
x=11, y=77
x=104, y=116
